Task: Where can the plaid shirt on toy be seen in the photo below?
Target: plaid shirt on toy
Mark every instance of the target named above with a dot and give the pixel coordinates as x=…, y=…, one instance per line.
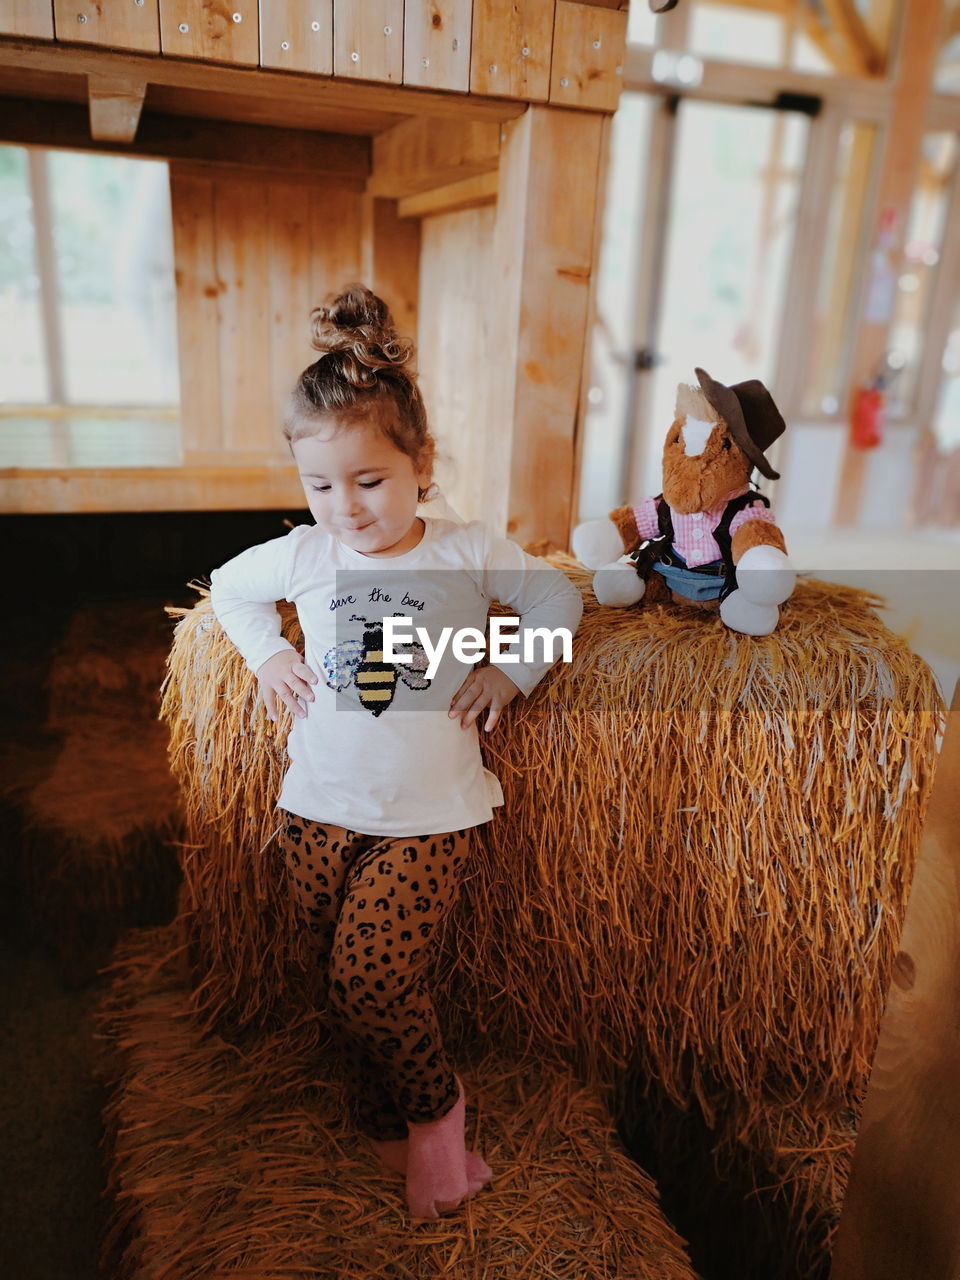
x=693, y=534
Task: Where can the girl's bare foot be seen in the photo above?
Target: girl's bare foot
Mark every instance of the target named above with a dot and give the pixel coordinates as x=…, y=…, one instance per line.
x=393, y=1155
x=440, y=1174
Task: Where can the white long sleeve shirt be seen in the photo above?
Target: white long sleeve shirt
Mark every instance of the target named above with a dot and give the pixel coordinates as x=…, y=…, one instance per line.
x=377, y=751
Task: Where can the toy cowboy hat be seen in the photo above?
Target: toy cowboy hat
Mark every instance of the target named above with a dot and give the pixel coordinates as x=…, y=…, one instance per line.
x=750, y=416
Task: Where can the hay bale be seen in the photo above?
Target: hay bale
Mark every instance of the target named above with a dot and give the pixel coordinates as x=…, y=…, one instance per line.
x=238, y=1159
x=97, y=834
x=702, y=864
x=730, y=822
x=112, y=653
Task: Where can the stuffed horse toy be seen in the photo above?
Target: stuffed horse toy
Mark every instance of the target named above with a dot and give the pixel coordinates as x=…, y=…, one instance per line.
x=708, y=538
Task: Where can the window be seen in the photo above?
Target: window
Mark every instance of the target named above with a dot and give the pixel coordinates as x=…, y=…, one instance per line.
x=88, y=346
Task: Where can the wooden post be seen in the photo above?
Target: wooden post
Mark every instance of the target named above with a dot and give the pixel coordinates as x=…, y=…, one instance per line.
x=901, y=1216
x=537, y=313
x=905, y=128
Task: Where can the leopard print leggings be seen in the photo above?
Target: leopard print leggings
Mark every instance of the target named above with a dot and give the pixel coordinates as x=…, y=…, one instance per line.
x=372, y=904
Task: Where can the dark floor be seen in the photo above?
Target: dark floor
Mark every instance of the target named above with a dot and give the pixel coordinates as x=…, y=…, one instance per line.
x=51, y=1175
x=52, y=1209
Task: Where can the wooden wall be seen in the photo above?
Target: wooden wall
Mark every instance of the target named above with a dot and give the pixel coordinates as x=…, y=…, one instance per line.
x=471, y=205
x=537, y=50
x=252, y=258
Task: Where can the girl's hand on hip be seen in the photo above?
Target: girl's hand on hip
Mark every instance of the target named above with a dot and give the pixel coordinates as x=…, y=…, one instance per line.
x=484, y=687
x=285, y=678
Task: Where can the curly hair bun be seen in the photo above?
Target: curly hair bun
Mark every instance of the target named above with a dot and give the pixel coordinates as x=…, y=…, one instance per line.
x=360, y=323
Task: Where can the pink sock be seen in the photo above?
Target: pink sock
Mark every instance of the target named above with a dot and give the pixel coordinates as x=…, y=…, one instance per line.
x=437, y=1172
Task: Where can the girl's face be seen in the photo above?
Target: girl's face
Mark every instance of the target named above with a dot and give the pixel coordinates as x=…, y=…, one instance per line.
x=360, y=487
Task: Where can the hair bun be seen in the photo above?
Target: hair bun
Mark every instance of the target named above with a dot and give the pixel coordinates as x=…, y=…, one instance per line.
x=359, y=324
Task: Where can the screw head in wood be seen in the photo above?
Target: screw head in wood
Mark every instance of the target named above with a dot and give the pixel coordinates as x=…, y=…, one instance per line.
x=564, y=82
x=596, y=44
x=238, y=17
x=284, y=45
x=138, y=3
x=183, y=28
x=81, y=18
x=525, y=52
x=388, y=31
x=424, y=62
x=493, y=68
x=354, y=57
x=314, y=26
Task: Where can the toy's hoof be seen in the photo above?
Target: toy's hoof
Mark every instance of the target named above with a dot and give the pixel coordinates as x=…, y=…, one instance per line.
x=596, y=543
x=741, y=614
x=617, y=585
x=764, y=575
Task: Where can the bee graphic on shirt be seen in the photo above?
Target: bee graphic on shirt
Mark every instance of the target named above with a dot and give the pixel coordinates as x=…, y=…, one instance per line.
x=361, y=662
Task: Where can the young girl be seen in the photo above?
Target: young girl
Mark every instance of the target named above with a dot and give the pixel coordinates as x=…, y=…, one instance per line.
x=385, y=780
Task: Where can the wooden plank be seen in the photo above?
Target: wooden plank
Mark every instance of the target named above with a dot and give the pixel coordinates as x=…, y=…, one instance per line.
x=543, y=260
x=901, y=1214
x=240, y=221
x=198, y=288
x=436, y=44
x=456, y=253
x=122, y=24
x=288, y=99
x=290, y=296
x=27, y=18
x=391, y=260
x=214, y=30
x=297, y=35
x=467, y=194
x=336, y=237
x=115, y=105
x=512, y=43
x=913, y=78
x=264, y=487
x=415, y=156
x=342, y=160
x=368, y=39
x=589, y=46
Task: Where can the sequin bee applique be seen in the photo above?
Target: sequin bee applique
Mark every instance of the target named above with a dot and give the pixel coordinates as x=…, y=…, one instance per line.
x=360, y=662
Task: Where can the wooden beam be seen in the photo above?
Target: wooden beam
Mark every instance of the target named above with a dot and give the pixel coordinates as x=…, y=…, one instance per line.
x=416, y=156
x=913, y=78
x=115, y=104
x=468, y=194
x=298, y=92
x=851, y=28
x=340, y=158
x=538, y=306
x=901, y=1214
x=866, y=98
x=223, y=487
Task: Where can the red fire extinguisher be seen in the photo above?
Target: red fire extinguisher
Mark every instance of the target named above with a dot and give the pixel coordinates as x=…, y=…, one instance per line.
x=867, y=418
